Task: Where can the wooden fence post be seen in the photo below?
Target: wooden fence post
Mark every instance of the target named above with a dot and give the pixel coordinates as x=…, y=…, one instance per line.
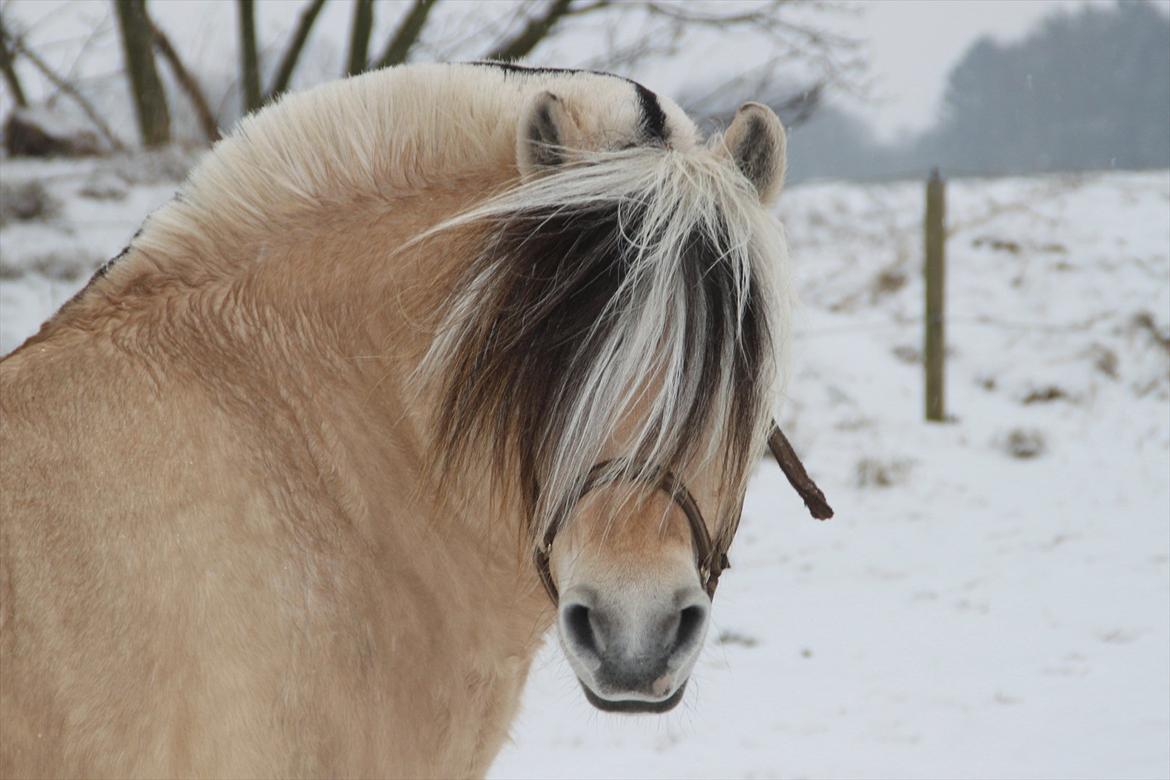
x=934, y=352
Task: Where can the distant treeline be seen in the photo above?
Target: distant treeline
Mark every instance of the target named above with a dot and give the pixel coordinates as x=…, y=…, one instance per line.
x=1086, y=91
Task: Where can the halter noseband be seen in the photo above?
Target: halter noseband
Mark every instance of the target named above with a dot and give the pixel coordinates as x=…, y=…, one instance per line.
x=711, y=560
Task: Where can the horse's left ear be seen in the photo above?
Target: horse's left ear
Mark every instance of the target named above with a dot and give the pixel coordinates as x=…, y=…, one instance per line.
x=547, y=130
x=755, y=140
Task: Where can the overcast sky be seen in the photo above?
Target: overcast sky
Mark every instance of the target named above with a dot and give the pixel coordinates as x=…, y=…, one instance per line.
x=912, y=43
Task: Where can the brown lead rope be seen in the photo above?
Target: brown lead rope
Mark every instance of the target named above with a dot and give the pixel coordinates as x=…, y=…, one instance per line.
x=782, y=450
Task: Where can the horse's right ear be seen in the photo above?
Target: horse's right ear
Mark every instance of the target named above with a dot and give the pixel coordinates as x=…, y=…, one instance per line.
x=545, y=134
x=756, y=142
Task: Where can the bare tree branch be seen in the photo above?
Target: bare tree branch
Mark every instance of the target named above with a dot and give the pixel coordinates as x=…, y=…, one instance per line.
x=619, y=55
x=98, y=31
x=637, y=31
x=834, y=60
x=71, y=92
x=296, y=44
x=798, y=108
x=499, y=27
x=797, y=37
x=359, y=36
x=249, y=59
x=188, y=83
x=408, y=32
x=537, y=29
x=677, y=12
x=7, y=65
x=467, y=38
x=584, y=8
x=794, y=106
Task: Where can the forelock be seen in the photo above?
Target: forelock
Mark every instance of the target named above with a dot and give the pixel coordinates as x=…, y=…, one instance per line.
x=639, y=284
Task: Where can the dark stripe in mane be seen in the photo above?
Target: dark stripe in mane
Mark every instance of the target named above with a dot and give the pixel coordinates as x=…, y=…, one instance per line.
x=511, y=67
x=653, y=117
x=539, y=327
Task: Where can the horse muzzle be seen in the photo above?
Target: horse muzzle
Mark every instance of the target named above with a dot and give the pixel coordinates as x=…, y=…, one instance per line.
x=633, y=651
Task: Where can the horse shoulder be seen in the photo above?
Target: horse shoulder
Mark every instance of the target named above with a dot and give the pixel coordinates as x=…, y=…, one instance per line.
x=132, y=541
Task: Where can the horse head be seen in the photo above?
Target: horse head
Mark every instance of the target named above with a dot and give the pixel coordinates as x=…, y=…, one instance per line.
x=613, y=350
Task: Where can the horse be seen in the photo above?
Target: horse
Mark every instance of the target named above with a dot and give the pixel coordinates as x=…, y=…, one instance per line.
x=414, y=366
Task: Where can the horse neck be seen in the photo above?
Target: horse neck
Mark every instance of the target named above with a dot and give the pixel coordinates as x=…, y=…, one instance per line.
x=368, y=316
x=353, y=313
x=321, y=326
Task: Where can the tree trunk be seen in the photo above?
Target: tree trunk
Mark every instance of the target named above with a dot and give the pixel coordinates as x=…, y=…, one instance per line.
x=249, y=59
x=359, y=36
x=150, y=100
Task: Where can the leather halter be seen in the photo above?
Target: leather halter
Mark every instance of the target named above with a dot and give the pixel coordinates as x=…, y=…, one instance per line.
x=710, y=560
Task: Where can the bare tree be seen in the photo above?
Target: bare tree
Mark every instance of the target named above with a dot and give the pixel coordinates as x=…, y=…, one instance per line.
x=796, y=31
x=249, y=59
x=69, y=90
x=8, y=67
x=292, y=53
x=150, y=100
x=188, y=83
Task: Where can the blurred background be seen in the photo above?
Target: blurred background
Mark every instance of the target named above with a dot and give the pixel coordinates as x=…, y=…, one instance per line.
x=993, y=597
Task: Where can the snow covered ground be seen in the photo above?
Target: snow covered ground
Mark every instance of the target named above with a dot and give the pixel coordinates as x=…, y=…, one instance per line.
x=993, y=597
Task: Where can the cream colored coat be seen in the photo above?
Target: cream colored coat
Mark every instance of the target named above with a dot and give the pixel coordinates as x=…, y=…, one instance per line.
x=222, y=555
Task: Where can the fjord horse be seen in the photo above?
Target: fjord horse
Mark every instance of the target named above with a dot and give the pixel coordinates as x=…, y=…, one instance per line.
x=282, y=484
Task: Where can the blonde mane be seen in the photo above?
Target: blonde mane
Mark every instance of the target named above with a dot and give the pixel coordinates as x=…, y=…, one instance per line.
x=370, y=139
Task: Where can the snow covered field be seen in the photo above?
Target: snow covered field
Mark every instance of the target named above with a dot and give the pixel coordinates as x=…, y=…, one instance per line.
x=993, y=597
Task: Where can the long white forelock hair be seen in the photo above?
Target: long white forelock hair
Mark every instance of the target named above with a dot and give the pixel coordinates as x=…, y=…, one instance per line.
x=646, y=284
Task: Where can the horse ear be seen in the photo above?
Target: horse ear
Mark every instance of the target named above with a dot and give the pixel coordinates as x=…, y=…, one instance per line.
x=545, y=134
x=756, y=142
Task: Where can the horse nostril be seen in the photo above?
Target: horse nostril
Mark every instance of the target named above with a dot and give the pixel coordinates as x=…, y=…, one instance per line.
x=690, y=623
x=688, y=629
x=579, y=628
